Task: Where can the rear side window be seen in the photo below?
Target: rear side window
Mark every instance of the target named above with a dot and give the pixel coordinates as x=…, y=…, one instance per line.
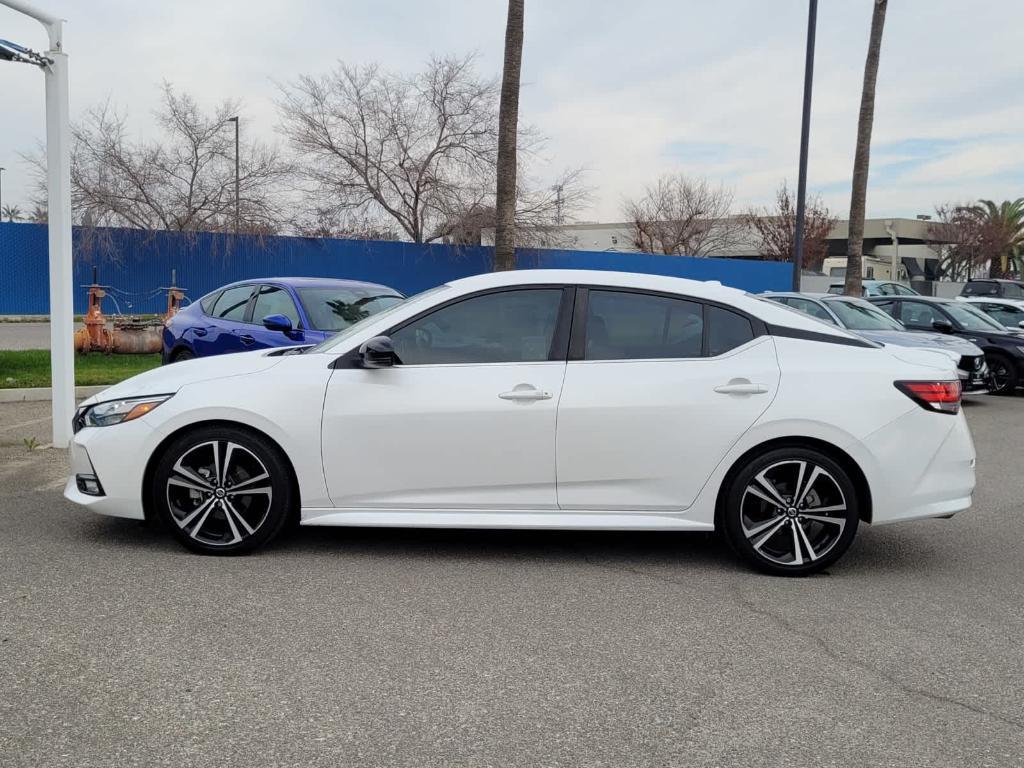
x=231, y=304
x=980, y=288
x=637, y=326
x=208, y=301
x=726, y=330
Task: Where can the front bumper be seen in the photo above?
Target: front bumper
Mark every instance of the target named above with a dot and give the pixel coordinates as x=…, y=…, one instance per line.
x=116, y=456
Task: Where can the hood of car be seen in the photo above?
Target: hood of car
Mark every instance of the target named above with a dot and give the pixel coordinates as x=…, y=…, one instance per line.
x=948, y=342
x=168, y=379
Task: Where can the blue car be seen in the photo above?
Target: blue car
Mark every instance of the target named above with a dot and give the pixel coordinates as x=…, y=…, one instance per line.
x=272, y=312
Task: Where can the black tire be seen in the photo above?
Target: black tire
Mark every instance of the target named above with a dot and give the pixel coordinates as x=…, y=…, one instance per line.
x=222, y=490
x=790, y=540
x=182, y=354
x=1003, y=372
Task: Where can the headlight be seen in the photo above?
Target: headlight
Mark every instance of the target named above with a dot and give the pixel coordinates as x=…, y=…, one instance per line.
x=117, y=411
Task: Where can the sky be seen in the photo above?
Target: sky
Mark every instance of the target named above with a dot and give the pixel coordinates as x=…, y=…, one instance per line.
x=627, y=91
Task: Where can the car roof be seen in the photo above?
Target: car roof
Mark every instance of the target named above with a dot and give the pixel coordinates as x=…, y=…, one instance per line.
x=712, y=290
x=994, y=280
x=309, y=282
x=799, y=294
x=909, y=297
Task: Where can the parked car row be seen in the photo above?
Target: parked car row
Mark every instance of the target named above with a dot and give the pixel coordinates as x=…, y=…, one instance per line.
x=990, y=353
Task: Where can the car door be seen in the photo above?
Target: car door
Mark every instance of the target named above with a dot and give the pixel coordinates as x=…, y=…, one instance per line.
x=657, y=389
x=218, y=333
x=273, y=300
x=465, y=420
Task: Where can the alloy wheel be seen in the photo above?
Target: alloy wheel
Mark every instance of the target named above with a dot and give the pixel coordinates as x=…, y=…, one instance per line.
x=219, y=493
x=793, y=512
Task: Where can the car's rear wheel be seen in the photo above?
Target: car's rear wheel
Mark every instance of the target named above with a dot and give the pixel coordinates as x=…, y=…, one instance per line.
x=182, y=354
x=1003, y=372
x=791, y=511
x=222, y=490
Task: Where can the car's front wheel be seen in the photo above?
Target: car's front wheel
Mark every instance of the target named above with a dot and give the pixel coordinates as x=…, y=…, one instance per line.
x=790, y=511
x=1003, y=372
x=222, y=490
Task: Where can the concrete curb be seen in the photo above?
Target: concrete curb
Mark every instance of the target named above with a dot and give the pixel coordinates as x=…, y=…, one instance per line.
x=38, y=394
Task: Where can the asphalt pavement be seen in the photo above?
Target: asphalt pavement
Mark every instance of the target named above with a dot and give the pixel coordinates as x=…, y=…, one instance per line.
x=375, y=647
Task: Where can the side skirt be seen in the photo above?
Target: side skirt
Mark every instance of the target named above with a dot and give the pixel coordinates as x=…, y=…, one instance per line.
x=412, y=518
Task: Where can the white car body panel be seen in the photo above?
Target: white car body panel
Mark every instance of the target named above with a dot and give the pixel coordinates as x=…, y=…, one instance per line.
x=617, y=445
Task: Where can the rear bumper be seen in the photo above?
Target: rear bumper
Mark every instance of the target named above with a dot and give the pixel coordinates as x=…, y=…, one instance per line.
x=922, y=465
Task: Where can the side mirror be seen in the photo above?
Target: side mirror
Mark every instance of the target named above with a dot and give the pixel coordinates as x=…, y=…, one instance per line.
x=1020, y=324
x=378, y=352
x=277, y=323
x=942, y=326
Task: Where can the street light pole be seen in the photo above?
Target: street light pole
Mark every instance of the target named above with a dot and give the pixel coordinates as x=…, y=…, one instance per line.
x=237, y=175
x=58, y=183
x=805, y=131
x=2, y=191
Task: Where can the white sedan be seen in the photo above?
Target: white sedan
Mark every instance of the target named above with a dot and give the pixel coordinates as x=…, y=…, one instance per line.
x=543, y=399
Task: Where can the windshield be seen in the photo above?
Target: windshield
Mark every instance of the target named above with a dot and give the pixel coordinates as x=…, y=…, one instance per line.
x=334, y=309
x=862, y=316
x=972, y=319
x=356, y=327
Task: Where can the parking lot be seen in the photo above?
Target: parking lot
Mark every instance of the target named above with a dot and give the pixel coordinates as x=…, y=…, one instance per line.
x=442, y=648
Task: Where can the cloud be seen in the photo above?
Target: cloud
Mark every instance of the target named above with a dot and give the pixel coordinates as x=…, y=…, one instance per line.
x=712, y=89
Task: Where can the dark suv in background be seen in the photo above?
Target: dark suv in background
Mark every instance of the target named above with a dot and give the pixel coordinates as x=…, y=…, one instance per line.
x=1001, y=289
x=1004, y=349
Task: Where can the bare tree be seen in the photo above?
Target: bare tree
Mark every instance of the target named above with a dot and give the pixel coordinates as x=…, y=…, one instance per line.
x=508, y=129
x=680, y=216
x=326, y=222
x=379, y=143
x=862, y=155
x=183, y=180
x=776, y=229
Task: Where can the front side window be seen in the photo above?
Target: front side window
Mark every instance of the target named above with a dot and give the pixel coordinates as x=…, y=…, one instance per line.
x=919, y=314
x=515, y=326
x=231, y=304
x=636, y=326
x=271, y=300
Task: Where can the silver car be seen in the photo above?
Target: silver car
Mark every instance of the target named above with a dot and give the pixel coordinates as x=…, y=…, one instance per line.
x=869, y=321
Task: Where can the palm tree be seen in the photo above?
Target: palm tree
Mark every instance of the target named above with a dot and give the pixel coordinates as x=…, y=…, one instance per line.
x=11, y=213
x=1001, y=231
x=861, y=158
x=508, y=126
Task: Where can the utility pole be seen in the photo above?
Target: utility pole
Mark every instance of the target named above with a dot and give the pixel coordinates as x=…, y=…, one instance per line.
x=805, y=131
x=54, y=63
x=237, y=176
x=558, y=203
x=2, y=188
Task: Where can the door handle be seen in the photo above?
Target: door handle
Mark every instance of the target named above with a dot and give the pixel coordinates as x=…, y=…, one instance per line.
x=741, y=387
x=199, y=331
x=246, y=339
x=525, y=392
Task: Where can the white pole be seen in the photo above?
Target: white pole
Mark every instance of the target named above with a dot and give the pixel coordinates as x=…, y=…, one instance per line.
x=62, y=321
x=58, y=177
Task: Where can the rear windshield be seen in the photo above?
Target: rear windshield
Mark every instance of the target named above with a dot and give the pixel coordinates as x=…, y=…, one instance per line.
x=980, y=288
x=334, y=309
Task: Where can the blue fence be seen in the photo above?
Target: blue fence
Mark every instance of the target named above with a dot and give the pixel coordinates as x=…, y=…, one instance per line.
x=137, y=263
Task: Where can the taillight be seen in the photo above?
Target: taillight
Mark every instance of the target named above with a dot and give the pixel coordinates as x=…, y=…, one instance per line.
x=940, y=396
